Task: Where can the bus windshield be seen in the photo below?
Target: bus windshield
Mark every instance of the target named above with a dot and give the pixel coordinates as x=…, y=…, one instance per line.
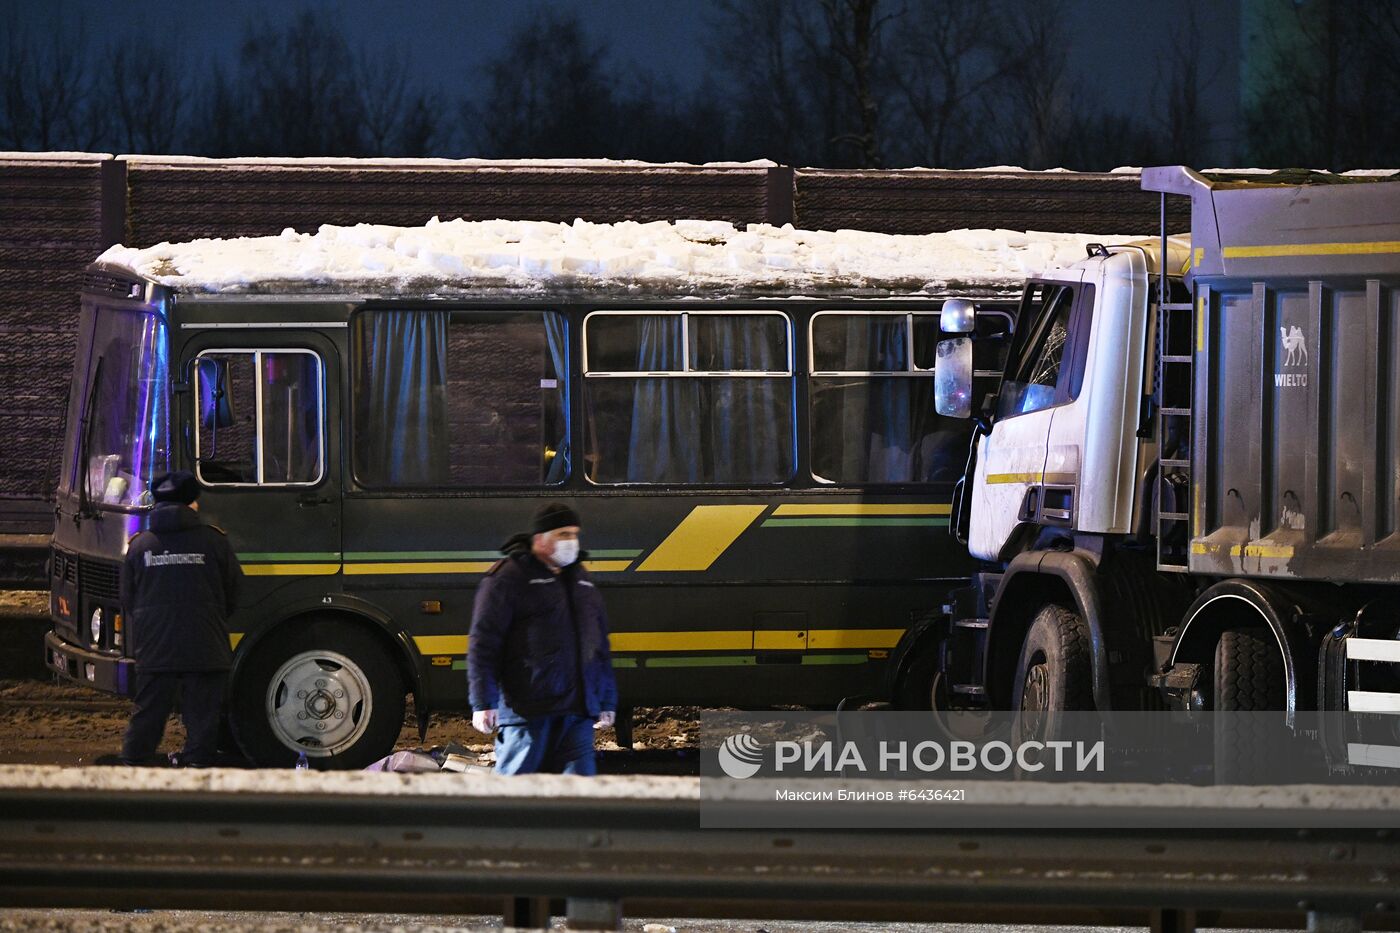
x=121, y=425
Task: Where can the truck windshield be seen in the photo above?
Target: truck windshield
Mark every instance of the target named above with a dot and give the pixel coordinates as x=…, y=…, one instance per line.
x=119, y=417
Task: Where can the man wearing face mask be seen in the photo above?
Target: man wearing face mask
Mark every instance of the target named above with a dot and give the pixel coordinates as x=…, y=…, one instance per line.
x=538, y=665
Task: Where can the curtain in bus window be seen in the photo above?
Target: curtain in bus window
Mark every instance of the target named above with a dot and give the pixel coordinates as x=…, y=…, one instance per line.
x=749, y=431
x=664, y=438
x=556, y=331
x=873, y=428
x=401, y=399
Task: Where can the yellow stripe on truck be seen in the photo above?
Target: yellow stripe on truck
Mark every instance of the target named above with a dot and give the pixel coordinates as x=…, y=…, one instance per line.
x=701, y=537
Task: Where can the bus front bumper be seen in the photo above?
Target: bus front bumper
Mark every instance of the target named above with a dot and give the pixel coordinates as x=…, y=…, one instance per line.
x=91, y=668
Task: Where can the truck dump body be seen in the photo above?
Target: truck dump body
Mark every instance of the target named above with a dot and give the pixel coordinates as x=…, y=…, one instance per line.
x=1295, y=387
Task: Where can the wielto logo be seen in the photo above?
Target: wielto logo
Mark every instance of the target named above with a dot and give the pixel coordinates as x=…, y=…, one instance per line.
x=741, y=756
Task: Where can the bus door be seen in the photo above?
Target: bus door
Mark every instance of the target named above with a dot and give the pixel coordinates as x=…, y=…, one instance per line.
x=262, y=441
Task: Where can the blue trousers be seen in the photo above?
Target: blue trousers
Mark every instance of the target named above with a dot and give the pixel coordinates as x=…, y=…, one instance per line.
x=201, y=702
x=548, y=745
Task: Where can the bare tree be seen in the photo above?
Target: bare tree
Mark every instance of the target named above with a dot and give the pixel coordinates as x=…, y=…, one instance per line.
x=753, y=43
x=549, y=94
x=144, y=96
x=854, y=38
x=397, y=118
x=301, y=91
x=1038, y=99
x=46, y=92
x=943, y=70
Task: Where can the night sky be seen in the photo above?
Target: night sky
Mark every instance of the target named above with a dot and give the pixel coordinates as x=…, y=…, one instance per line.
x=1117, y=48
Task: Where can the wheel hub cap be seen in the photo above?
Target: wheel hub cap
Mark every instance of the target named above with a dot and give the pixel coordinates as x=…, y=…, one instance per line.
x=319, y=702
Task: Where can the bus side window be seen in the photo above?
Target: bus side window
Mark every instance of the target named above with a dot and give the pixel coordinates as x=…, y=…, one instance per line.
x=871, y=407
x=262, y=425
x=453, y=399
x=688, y=398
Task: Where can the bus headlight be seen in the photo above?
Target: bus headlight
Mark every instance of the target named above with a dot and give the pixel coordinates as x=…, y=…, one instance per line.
x=97, y=626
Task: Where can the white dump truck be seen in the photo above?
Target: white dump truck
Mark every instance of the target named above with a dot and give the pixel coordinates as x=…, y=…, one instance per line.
x=1187, y=486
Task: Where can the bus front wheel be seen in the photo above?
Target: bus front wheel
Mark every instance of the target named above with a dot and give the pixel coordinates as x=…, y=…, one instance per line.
x=321, y=687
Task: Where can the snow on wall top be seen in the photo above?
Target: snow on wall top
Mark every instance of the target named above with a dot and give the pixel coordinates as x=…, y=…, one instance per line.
x=686, y=257
x=398, y=162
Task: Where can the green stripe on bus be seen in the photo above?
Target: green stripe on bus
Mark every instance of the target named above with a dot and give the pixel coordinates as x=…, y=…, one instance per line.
x=459, y=665
x=624, y=662
x=422, y=555
x=730, y=661
x=861, y=521
x=834, y=659
x=290, y=556
x=593, y=553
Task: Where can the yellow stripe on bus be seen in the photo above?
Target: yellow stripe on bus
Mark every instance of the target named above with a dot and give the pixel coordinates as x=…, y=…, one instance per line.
x=1311, y=249
x=863, y=508
x=427, y=566
x=701, y=537
x=291, y=570
x=606, y=566
x=735, y=640
x=854, y=638
x=441, y=644
x=682, y=641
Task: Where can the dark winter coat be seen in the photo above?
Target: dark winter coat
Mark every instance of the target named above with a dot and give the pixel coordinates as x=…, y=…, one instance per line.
x=539, y=641
x=179, y=583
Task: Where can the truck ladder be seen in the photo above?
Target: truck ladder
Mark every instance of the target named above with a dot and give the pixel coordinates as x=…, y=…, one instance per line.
x=1172, y=395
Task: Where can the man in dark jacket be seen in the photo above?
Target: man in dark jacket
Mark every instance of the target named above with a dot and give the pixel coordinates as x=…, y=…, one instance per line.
x=179, y=583
x=538, y=663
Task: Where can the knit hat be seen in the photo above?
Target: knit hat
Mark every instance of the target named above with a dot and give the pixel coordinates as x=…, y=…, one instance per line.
x=175, y=486
x=552, y=516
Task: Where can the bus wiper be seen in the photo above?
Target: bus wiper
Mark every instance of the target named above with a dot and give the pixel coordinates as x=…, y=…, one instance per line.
x=85, y=509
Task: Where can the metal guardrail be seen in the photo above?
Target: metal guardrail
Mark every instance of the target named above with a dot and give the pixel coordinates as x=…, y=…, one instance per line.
x=297, y=851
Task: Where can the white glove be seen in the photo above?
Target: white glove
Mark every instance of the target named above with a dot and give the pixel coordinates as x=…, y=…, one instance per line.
x=484, y=721
x=605, y=719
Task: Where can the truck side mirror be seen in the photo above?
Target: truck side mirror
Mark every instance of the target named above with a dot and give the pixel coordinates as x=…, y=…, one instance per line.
x=959, y=316
x=952, y=378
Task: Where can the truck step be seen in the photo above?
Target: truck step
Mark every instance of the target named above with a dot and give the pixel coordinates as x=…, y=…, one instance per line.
x=1176, y=358
x=1180, y=464
x=1174, y=516
x=972, y=690
x=1175, y=411
x=971, y=623
x=1176, y=306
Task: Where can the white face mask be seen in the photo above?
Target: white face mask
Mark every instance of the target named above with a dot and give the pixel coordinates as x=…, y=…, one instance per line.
x=565, y=552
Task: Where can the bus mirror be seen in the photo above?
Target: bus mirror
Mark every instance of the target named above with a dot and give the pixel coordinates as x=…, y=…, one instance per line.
x=959, y=316
x=952, y=378
x=215, y=405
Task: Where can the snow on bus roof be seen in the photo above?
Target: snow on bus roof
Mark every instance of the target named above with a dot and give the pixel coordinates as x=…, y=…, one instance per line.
x=685, y=257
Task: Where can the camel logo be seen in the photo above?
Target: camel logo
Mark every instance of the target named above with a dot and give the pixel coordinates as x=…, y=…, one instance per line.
x=1295, y=348
x=741, y=756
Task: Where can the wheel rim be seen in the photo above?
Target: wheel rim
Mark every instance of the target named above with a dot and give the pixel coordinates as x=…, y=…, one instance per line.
x=319, y=702
x=1035, y=698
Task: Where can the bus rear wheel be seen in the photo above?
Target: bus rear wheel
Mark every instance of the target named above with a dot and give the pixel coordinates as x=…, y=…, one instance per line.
x=321, y=687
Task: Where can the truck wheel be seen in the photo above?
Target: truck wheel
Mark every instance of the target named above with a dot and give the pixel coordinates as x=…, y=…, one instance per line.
x=322, y=687
x=1053, y=675
x=1248, y=683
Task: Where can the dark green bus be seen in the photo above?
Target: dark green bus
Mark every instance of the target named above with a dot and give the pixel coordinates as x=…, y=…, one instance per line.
x=764, y=484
